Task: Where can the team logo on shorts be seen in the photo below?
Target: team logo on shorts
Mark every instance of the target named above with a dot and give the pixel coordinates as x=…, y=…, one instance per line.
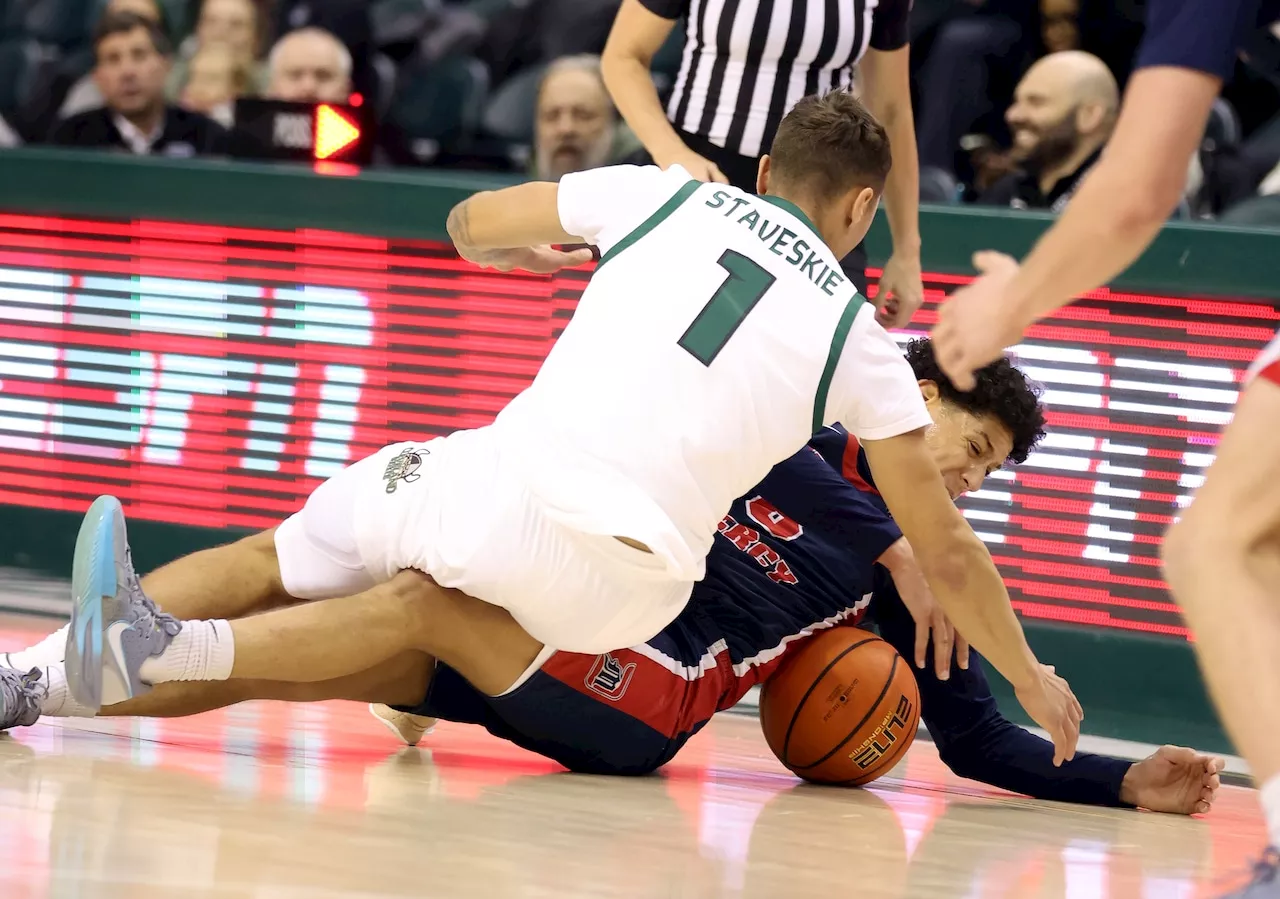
x=609, y=678
x=403, y=467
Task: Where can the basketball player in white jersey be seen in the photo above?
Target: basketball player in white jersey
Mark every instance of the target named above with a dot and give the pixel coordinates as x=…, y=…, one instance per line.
x=717, y=334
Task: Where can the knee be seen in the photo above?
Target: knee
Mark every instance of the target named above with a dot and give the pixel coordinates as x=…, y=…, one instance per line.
x=258, y=552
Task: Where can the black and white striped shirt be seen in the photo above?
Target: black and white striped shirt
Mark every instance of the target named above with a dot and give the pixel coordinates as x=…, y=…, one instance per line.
x=747, y=62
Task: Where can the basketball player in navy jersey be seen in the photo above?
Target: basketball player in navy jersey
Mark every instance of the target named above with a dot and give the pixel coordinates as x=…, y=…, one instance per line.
x=796, y=555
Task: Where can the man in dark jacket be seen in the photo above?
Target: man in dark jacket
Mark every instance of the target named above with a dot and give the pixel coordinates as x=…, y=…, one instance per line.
x=132, y=62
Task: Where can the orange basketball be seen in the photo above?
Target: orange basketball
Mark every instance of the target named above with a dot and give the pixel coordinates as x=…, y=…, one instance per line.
x=843, y=709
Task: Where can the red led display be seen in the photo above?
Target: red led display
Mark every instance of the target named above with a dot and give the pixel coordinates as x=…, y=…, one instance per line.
x=212, y=376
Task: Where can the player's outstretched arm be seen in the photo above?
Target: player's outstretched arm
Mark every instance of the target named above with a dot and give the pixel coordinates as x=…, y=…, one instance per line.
x=965, y=580
x=514, y=228
x=976, y=741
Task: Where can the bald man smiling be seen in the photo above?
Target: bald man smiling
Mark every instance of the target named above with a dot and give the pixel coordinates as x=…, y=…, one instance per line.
x=1062, y=115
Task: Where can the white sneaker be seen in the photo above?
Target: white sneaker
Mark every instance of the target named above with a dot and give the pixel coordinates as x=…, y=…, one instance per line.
x=408, y=727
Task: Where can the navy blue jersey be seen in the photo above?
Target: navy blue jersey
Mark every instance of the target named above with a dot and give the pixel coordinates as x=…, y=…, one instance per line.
x=1203, y=35
x=795, y=555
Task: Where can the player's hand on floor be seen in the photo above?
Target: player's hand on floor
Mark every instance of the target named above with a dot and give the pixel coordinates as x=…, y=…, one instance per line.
x=1174, y=779
x=1051, y=704
x=975, y=324
x=901, y=291
x=540, y=260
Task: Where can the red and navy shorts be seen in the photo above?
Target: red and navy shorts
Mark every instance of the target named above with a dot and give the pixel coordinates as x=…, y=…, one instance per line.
x=628, y=711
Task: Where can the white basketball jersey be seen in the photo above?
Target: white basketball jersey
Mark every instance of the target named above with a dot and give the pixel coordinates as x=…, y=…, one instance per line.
x=717, y=334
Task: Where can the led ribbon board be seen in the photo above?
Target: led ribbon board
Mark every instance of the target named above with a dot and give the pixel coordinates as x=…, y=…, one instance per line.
x=212, y=376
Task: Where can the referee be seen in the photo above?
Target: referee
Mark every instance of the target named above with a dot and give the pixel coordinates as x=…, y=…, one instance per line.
x=745, y=64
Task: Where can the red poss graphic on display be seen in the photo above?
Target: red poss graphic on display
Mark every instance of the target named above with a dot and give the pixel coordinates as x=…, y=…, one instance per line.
x=212, y=376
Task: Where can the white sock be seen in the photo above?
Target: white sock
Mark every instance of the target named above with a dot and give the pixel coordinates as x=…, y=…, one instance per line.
x=49, y=651
x=58, y=702
x=204, y=650
x=1269, y=797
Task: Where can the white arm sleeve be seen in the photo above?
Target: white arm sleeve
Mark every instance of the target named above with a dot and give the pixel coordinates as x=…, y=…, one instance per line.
x=874, y=393
x=604, y=205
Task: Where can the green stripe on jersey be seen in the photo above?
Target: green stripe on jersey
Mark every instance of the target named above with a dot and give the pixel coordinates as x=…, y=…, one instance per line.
x=652, y=221
x=833, y=359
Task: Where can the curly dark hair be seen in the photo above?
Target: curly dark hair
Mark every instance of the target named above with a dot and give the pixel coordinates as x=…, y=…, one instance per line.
x=1002, y=391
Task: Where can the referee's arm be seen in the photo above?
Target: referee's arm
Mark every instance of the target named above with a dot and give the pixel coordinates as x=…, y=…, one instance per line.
x=886, y=90
x=639, y=29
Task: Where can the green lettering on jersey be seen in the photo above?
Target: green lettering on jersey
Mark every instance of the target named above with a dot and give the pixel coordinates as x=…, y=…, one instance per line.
x=781, y=239
x=717, y=199
x=833, y=359
x=653, y=221
x=832, y=281
x=751, y=219
x=797, y=252
x=765, y=234
x=737, y=295
x=809, y=265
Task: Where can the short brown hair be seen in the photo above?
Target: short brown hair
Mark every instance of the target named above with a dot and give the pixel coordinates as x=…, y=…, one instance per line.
x=113, y=23
x=829, y=144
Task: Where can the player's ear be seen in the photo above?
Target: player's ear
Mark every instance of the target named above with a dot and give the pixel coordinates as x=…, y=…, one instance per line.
x=762, y=175
x=864, y=204
x=929, y=390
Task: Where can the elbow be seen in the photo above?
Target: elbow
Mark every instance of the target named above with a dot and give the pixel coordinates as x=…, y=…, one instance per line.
x=618, y=65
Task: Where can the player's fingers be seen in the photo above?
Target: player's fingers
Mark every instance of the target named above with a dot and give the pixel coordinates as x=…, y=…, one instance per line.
x=962, y=652
x=1213, y=782
x=990, y=260
x=922, y=642
x=1215, y=764
x=942, y=640
x=1059, y=738
x=1202, y=808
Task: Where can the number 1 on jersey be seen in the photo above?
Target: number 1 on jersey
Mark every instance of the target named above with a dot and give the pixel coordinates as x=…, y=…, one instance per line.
x=737, y=295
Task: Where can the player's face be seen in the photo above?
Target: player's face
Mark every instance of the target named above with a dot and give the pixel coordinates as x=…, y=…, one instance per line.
x=966, y=447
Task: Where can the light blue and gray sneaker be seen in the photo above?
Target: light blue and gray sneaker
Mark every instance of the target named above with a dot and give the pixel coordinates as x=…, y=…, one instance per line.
x=114, y=627
x=1266, y=879
x=20, y=696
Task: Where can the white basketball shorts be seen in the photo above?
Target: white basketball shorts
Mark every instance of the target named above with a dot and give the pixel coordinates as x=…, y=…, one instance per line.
x=451, y=509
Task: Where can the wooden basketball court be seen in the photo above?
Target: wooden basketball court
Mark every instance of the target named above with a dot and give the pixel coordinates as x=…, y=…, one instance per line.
x=273, y=802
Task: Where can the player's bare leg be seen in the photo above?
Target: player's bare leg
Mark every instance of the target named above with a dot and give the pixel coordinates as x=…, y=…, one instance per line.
x=1223, y=563
x=402, y=680
x=229, y=581
x=122, y=644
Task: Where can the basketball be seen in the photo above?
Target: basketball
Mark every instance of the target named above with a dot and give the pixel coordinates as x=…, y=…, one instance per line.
x=842, y=710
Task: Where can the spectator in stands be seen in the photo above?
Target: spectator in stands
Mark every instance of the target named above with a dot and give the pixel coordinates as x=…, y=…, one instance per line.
x=215, y=78
x=576, y=123
x=132, y=59
x=350, y=22
x=8, y=137
x=84, y=94
x=1062, y=115
x=236, y=25
x=309, y=65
